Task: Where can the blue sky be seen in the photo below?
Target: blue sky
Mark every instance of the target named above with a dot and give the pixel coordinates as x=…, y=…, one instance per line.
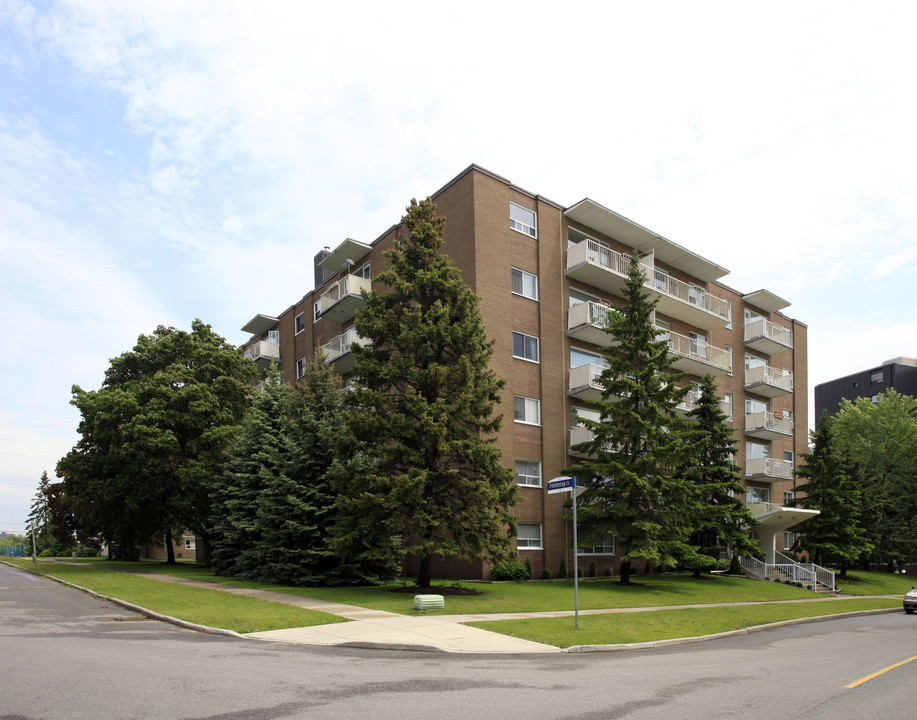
x=162, y=161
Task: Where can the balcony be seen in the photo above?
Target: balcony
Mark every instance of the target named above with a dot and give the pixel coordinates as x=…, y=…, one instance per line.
x=768, y=469
x=767, y=337
x=691, y=401
x=593, y=263
x=588, y=321
x=584, y=382
x=337, y=351
x=263, y=353
x=340, y=302
x=696, y=356
x=579, y=435
x=767, y=381
x=768, y=425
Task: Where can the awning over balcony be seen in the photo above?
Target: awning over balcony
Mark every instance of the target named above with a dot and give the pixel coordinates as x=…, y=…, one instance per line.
x=260, y=324
x=345, y=255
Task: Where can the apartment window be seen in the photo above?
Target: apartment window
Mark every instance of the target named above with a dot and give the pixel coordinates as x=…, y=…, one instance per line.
x=522, y=220
x=727, y=404
x=729, y=314
x=525, y=284
x=788, y=455
x=316, y=310
x=788, y=497
x=191, y=544
x=300, y=323
x=581, y=357
x=755, y=406
x=529, y=536
x=300, y=367
x=728, y=349
x=363, y=272
x=526, y=410
x=525, y=346
x=601, y=545
x=528, y=473
x=273, y=336
x=876, y=376
x=578, y=414
x=788, y=539
x=752, y=362
x=663, y=331
x=757, y=495
x=756, y=451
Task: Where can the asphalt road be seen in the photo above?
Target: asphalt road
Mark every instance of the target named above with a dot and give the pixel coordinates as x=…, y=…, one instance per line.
x=65, y=655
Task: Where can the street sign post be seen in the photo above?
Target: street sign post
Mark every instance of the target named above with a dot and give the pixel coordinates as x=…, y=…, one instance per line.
x=568, y=484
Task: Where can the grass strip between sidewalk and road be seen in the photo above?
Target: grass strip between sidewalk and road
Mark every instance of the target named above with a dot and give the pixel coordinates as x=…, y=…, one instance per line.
x=201, y=606
x=655, y=625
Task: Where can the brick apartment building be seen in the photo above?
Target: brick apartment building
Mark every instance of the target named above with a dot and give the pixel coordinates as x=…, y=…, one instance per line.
x=543, y=273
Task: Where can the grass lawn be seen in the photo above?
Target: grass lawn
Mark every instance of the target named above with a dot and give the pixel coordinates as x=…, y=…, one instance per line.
x=205, y=607
x=619, y=628
x=858, y=582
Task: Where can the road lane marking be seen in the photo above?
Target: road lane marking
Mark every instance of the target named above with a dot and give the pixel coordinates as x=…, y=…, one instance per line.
x=880, y=672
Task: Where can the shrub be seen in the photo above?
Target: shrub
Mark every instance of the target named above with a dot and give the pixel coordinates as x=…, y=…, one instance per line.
x=562, y=573
x=528, y=568
x=48, y=552
x=593, y=571
x=608, y=571
x=579, y=572
x=545, y=574
x=510, y=570
x=89, y=552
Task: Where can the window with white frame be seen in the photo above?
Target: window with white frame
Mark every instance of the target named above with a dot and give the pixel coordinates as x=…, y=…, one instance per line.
x=528, y=473
x=728, y=314
x=788, y=455
x=788, y=497
x=529, y=536
x=299, y=323
x=578, y=414
x=663, y=331
x=523, y=220
x=525, y=284
x=526, y=410
x=603, y=544
x=727, y=404
x=581, y=357
x=273, y=336
x=300, y=367
x=752, y=361
x=525, y=346
x=757, y=495
x=190, y=544
x=788, y=539
x=316, y=310
x=364, y=272
x=756, y=451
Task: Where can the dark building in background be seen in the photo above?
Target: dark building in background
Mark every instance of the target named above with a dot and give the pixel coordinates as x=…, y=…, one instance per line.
x=899, y=375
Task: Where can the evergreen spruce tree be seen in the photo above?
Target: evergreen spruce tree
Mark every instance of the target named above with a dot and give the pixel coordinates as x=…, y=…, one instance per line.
x=714, y=483
x=260, y=453
x=423, y=418
x=836, y=534
x=632, y=489
x=38, y=522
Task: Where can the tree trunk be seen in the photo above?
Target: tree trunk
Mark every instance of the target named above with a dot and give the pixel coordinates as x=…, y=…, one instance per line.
x=696, y=573
x=170, y=548
x=625, y=572
x=425, y=574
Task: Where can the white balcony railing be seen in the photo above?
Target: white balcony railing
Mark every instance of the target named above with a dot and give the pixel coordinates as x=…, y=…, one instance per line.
x=761, y=330
x=262, y=350
x=766, y=375
x=768, y=422
x=689, y=294
x=348, y=286
x=340, y=344
x=769, y=467
x=701, y=356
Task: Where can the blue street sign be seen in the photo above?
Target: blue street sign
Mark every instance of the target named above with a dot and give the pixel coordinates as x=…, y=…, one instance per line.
x=561, y=484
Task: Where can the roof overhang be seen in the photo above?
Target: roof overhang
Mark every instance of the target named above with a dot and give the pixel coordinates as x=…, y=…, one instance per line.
x=260, y=324
x=589, y=213
x=348, y=253
x=766, y=300
x=781, y=518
